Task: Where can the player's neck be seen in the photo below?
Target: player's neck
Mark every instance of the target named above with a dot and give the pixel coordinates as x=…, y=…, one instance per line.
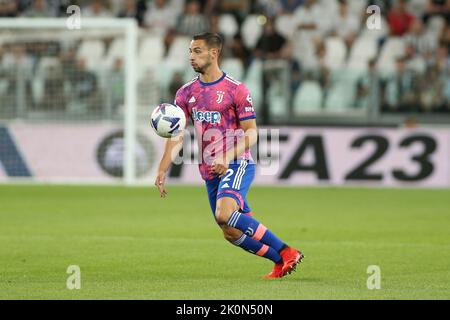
x=211, y=75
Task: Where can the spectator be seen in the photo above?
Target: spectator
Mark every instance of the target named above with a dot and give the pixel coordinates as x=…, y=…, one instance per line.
x=84, y=82
x=400, y=19
x=319, y=67
x=238, y=8
x=18, y=67
x=132, y=9
x=271, y=45
x=368, y=90
x=54, y=97
x=289, y=6
x=116, y=81
x=8, y=8
x=437, y=8
x=421, y=42
x=445, y=37
x=206, y=6
x=418, y=8
x=96, y=9
x=441, y=60
x=239, y=50
x=384, y=5
x=160, y=17
x=192, y=21
x=345, y=25
x=432, y=86
x=175, y=83
x=214, y=19
x=18, y=59
x=39, y=9
x=307, y=20
x=401, y=93
x=270, y=8
x=420, y=46
x=410, y=123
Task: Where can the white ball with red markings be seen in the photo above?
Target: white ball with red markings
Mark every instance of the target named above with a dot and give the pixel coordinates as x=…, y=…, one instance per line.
x=168, y=120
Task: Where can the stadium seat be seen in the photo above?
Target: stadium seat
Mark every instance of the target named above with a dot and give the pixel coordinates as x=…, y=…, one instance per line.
x=284, y=25
x=255, y=89
x=336, y=52
x=189, y=74
x=392, y=49
x=435, y=26
x=340, y=97
x=228, y=25
x=357, y=7
x=115, y=51
x=277, y=100
x=251, y=30
x=42, y=72
x=92, y=51
x=233, y=67
x=151, y=51
x=254, y=72
x=363, y=49
x=45, y=63
x=179, y=51
x=376, y=34
x=308, y=98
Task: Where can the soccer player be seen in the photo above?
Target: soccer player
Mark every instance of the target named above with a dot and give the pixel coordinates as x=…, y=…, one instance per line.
x=219, y=105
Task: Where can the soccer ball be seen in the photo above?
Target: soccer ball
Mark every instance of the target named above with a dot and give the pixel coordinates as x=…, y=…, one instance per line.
x=168, y=120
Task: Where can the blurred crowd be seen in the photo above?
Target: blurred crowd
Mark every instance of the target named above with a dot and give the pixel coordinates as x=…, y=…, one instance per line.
x=335, y=61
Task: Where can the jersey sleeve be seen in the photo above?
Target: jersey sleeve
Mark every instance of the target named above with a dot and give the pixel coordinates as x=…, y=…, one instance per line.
x=180, y=100
x=243, y=103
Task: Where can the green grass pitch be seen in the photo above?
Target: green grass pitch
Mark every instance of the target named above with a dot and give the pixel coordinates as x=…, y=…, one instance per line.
x=130, y=244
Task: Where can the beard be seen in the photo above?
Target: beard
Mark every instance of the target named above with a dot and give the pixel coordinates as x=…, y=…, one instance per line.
x=202, y=69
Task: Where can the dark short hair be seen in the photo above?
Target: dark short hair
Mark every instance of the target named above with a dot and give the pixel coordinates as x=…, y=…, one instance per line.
x=212, y=40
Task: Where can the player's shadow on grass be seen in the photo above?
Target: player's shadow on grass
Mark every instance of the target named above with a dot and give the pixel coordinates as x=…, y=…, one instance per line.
x=297, y=279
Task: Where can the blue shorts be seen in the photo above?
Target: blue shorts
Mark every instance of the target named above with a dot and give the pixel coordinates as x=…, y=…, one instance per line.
x=234, y=184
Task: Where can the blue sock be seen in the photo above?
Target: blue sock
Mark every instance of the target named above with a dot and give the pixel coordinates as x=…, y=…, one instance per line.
x=256, y=230
x=258, y=248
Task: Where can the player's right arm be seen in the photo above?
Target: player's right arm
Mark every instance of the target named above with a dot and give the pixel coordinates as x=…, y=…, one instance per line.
x=171, y=149
x=173, y=145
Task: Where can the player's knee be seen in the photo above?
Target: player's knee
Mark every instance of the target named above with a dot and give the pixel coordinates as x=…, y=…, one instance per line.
x=225, y=207
x=231, y=234
x=222, y=215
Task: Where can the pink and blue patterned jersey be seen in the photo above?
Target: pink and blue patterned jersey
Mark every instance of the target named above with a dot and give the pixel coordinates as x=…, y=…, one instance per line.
x=216, y=110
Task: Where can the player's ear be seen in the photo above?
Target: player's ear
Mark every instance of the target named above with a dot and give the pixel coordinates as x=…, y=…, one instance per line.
x=216, y=52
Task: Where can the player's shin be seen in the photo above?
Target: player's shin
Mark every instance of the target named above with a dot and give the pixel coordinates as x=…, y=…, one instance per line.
x=256, y=230
x=258, y=248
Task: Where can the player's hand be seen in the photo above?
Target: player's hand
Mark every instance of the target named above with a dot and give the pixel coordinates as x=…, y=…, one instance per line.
x=219, y=167
x=160, y=184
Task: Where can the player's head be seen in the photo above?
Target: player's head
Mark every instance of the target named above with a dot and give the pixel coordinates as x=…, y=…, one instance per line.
x=205, y=51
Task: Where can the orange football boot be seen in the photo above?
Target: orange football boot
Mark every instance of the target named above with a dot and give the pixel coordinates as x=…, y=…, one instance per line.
x=277, y=272
x=291, y=258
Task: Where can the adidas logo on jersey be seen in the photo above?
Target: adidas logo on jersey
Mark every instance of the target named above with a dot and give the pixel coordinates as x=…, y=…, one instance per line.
x=192, y=100
x=226, y=185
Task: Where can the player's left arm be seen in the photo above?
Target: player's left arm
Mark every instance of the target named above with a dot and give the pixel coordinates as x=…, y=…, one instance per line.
x=220, y=164
x=247, y=120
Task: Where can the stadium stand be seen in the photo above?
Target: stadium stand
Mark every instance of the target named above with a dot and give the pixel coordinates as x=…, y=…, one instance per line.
x=328, y=58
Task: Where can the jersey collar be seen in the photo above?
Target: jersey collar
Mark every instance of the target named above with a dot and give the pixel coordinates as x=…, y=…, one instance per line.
x=207, y=84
